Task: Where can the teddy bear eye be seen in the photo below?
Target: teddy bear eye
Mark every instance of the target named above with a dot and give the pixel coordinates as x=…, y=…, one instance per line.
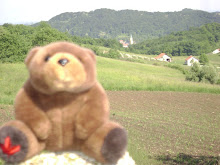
x=47, y=58
x=80, y=59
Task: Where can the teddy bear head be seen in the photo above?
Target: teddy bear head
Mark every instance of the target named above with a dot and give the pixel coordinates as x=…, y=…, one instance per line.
x=61, y=67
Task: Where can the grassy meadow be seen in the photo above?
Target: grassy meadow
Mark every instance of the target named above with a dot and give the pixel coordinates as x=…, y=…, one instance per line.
x=160, y=126
x=122, y=75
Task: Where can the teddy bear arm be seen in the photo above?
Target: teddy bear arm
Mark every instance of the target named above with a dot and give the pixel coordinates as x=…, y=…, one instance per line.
x=32, y=115
x=91, y=117
x=39, y=124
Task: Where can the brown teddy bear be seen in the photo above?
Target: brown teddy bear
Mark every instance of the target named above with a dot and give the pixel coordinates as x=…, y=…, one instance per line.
x=62, y=107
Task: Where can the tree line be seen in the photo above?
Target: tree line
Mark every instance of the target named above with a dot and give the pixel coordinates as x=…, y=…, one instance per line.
x=17, y=40
x=195, y=41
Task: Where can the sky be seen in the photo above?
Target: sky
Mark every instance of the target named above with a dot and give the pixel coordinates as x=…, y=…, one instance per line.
x=30, y=11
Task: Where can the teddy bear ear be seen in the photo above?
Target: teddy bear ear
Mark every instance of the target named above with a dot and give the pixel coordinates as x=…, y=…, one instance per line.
x=92, y=54
x=31, y=55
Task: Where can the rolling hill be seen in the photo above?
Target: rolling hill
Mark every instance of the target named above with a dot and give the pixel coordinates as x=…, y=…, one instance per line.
x=107, y=23
x=195, y=41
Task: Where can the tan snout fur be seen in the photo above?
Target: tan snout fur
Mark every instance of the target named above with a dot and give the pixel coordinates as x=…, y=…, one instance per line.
x=64, y=78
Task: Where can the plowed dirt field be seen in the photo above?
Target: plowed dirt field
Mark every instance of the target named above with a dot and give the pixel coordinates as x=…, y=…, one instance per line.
x=162, y=124
x=164, y=127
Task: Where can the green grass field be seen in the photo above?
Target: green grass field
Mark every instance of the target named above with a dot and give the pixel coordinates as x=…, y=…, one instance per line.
x=121, y=75
x=164, y=128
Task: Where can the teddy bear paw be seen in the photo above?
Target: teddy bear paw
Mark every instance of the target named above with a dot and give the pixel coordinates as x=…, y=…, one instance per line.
x=114, y=145
x=13, y=145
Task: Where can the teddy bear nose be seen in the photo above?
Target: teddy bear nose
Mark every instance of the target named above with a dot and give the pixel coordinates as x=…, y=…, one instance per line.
x=63, y=62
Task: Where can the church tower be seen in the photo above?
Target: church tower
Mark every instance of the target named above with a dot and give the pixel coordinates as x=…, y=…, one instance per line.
x=131, y=40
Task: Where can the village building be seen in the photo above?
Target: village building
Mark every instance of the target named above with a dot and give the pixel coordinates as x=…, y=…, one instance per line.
x=163, y=57
x=126, y=44
x=216, y=51
x=190, y=60
x=121, y=41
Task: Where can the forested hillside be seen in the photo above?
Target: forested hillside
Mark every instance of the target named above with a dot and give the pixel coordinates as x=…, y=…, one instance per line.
x=106, y=23
x=17, y=40
x=196, y=41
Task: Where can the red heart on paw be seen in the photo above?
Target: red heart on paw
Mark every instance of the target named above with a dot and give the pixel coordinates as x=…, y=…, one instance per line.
x=7, y=147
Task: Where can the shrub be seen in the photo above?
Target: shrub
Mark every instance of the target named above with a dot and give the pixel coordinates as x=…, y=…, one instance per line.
x=203, y=59
x=113, y=54
x=207, y=73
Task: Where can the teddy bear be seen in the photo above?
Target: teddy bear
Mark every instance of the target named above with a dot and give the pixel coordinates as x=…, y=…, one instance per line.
x=62, y=107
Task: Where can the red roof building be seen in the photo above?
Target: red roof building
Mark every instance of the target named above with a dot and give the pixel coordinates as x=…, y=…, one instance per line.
x=190, y=60
x=163, y=57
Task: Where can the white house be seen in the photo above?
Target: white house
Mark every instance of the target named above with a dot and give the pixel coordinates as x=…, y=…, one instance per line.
x=163, y=57
x=216, y=51
x=190, y=60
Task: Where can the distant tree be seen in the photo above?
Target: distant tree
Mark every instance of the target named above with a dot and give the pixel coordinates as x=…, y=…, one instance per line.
x=44, y=34
x=203, y=59
x=11, y=48
x=113, y=54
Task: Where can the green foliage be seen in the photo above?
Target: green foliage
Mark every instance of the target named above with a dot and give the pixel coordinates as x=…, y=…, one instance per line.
x=106, y=23
x=203, y=59
x=14, y=42
x=113, y=54
x=194, y=74
x=210, y=74
x=206, y=73
x=196, y=41
x=44, y=34
x=17, y=40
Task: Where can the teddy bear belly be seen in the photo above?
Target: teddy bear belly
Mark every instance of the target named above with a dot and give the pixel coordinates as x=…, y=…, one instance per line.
x=62, y=134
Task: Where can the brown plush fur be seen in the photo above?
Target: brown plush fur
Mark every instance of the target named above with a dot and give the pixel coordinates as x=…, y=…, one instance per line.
x=63, y=107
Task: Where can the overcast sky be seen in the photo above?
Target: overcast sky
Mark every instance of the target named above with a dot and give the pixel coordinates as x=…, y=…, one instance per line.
x=21, y=11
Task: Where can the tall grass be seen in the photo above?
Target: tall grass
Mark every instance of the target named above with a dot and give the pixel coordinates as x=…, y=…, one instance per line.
x=12, y=77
